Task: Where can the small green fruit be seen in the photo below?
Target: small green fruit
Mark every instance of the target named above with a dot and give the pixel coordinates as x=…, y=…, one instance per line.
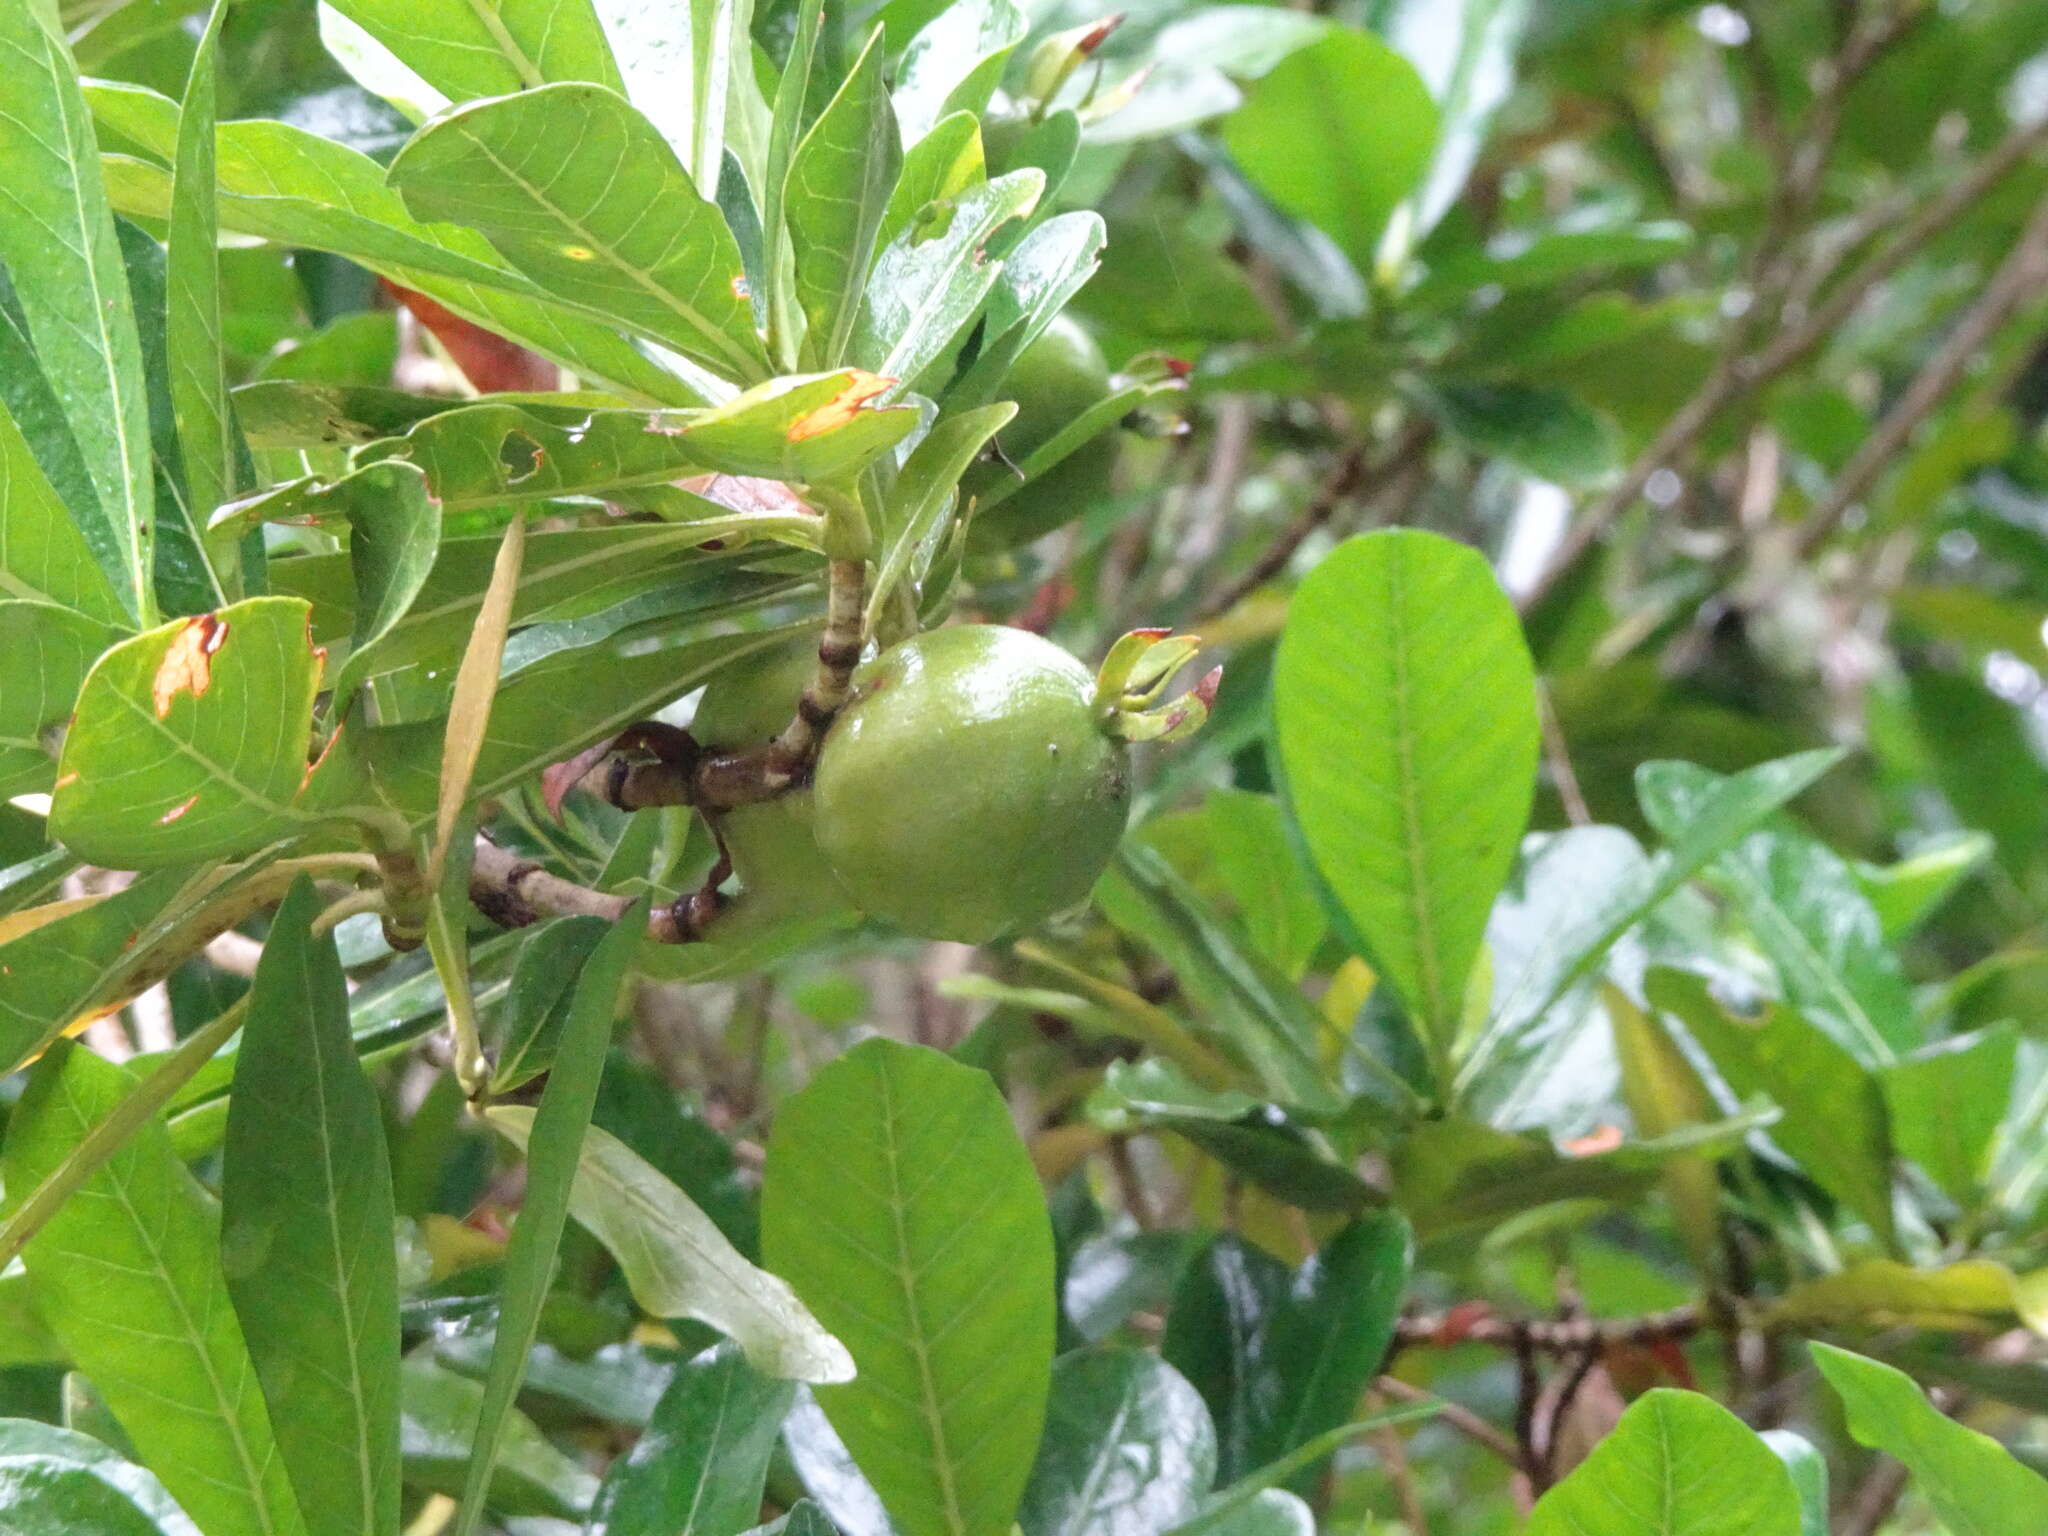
x=774, y=852
x=1059, y=377
x=971, y=790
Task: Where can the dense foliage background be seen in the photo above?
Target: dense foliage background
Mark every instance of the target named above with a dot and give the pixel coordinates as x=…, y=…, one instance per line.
x=1567, y=1002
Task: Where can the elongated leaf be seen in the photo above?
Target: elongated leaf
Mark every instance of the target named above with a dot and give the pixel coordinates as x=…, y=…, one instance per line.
x=1405, y=710
x=954, y=62
x=930, y=282
x=678, y=1264
x=1128, y=1449
x=553, y=1151
x=306, y=1224
x=901, y=1205
x=42, y=554
x=926, y=490
x=191, y=740
x=538, y=1001
x=282, y=183
x=198, y=382
x=1337, y=133
x=1809, y=916
x=1259, y=865
x=943, y=164
x=61, y=969
x=1678, y=1464
x=56, y=1482
x=394, y=534
x=1969, y=1295
x=1045, y=269
x=1736, y=807
x=699, y=1468
x=580, y=193
x=1834, y=1120
x=57, y=243
x=45, y=654
x=840, y=182
x=1974, y=1484
x=465, y=50
x=127, y=1273
x=1948, y=1104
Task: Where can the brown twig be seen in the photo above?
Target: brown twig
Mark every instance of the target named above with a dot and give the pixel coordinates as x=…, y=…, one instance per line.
x=1568, y=1336
x=1457, y=1415
x=1738, y=377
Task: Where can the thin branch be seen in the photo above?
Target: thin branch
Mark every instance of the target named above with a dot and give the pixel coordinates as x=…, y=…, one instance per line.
x=1558, y=1336
x=1739, y=377
x=1457, y=1415
x=2019, y=279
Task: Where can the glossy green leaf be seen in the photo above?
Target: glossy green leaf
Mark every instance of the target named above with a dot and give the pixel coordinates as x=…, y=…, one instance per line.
x=678, y=1264
x=45, y=654
x=954, y=62
x=1281, y=1359
x=57, y=243
x=1948, y=1103
x=1974, y=1484
x=579, y=192
x=1128, y=1448
x=437, y=1427
x=57, y=1482
x=394, y=532
x=466, y=50
x=1809, y=916
x=554, y=1148
x=1405, y=711
x=941, y=165
x=926, y=491
x=128, y=1275
x=1834, y=1120
x=207, y=447
x=930, y=281
x=840, y=182
x=1337, y=133
x=901, y=1205
x=1736, y=807
x=540, y=996
x=1040, y=274
x=282, y=183
x=306, y=1224
x=1678, y=1464
x=699, y=1468
x=1809, y=1469
x=191, y=740
x=43, y=556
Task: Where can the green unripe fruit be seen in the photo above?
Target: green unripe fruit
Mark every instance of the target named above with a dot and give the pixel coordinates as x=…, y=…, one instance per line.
x=774, y=852
x=1059, y=377
x=970, y=790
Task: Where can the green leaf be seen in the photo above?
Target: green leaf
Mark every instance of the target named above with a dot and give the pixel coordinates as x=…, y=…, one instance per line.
x=580, y=193
x=1834, y=1121
x=127, y=1274
x=1809, y=1471
x=678, y=1264
x=1405, y=713
x=43, y=556
x=436, y=1429
x=699, y=1468
x=1257, y=862
x=539, y=998
x=929, y=283
x=465, y=50
x=57, y=243
x=1974, y=1484
x=198, y=371
x=1467, y=59
x=190, y=740
x=1282, y=1359
x=1040, y=274
x=840, y=183
x=57, y=1482
x=77, y=961
x=1970, y=1295
x=954, y=62
x=45, y=654
x=1128, y=1448
x=278, y=182
x=306, y=1224
x=553, y=1149
x=394, y=529
x=1678, y=1464
x=816, y=427
x=900, y=1203
x=940, y=166
x=1543, y=431
x=926, y=490
x=1338, y=133
x=1908, y=892
x=1268, y=1512
x=1736, y=806
x=1802, y=903
x=1948, y=1104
